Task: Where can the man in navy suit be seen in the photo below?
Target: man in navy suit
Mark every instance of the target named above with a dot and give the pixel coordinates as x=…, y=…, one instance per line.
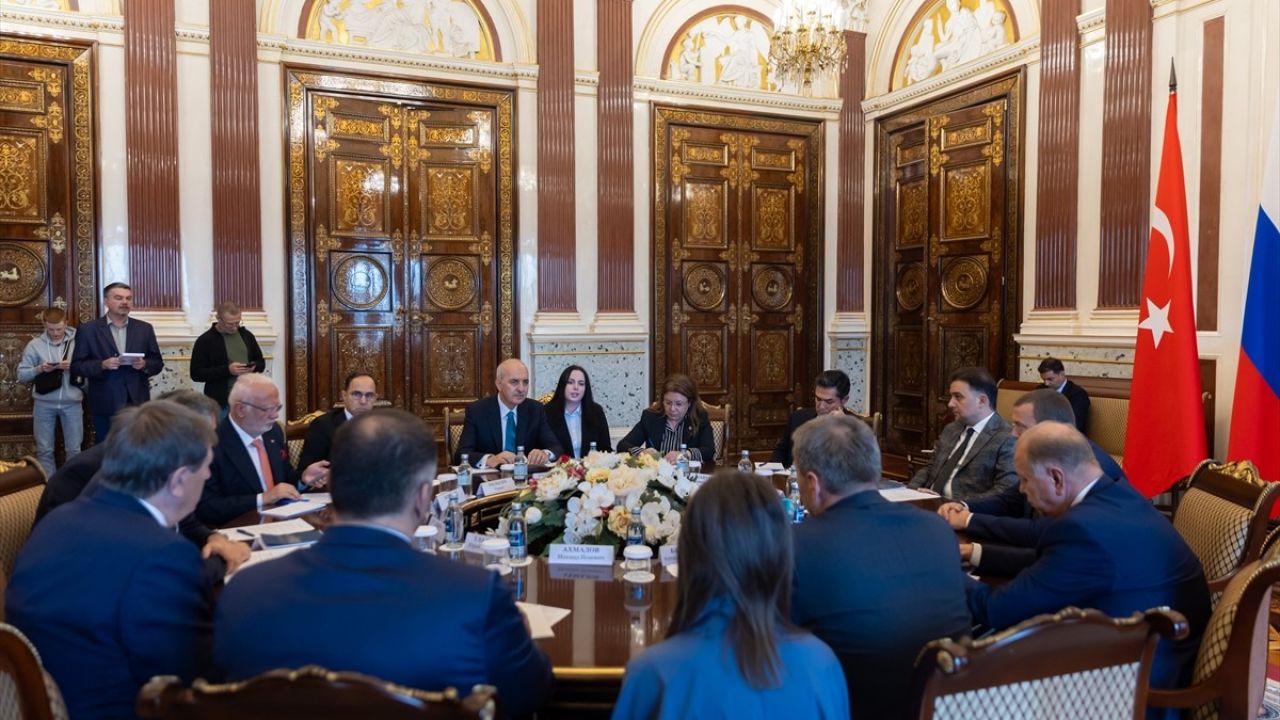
x=112, y=381
x=1006, y=519
x=107, y=590
x=873, y=579
x=251, y=462
x=1106, y=547
x=1054, y=376
x=363, y=599
x=494, y=427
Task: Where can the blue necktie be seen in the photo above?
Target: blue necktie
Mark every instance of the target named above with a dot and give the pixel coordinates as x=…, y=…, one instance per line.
x=509, y=444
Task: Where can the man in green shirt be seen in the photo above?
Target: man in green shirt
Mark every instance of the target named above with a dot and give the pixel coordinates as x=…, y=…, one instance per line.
x=223, y=353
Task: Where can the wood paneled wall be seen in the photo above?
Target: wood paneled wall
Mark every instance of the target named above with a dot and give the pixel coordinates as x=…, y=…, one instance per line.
x=151, y=127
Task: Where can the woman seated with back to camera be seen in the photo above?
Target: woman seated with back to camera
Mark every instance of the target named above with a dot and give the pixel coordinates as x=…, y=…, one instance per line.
x=677, y=417
x=731, y=650
x=575, y=418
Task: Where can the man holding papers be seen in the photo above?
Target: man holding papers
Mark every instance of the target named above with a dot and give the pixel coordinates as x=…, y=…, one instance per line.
x=251, y=464
x=362, y=599
x=117, y=356
x=873, y=579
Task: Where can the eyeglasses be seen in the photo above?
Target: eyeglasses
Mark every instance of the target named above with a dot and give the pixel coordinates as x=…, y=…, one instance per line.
x=357, y=395
x=267, y=410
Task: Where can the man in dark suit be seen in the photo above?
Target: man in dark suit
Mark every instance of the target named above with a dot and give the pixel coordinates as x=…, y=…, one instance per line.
x=358, y=396
x=974, y=454
x=1106, y=547
x=251, y=462
x=105, y=589
x=875, y=580
x=113, y=381
x=223, y=353
x=494, y=427
x=830, y=394
x=1006, y=519
x=80, y=475
x=363, y=599
x=1054, y=376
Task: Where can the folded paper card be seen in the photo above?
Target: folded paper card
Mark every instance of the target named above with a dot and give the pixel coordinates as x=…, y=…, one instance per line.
x=565, y=554
x=541, y=618
x=905, y=494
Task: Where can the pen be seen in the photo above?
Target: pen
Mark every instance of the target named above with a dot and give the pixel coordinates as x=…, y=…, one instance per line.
x=247, y=534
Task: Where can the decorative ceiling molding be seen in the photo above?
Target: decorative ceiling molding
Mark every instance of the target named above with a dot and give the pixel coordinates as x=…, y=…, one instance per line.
x=1010, y=57
x=828, y=108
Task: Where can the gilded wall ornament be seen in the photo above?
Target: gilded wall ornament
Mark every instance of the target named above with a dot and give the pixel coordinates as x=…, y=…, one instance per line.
x=964, y=282
x=771, y=287
x=22, y=275
x=704, y=286
x=451, y=284
x=360, y=282
x=910, y=287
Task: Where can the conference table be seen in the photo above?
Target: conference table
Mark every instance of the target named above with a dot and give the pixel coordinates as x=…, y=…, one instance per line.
x=610, y=620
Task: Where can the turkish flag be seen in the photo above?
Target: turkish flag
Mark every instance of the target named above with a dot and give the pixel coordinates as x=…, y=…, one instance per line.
x=1165, y=438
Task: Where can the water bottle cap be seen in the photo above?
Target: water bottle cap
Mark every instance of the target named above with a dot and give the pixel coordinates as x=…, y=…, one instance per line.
x=426, y=531
x=495, y=545
x=637, y=552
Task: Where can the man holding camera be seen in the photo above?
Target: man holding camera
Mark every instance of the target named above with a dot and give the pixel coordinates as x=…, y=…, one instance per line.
x=46, y=364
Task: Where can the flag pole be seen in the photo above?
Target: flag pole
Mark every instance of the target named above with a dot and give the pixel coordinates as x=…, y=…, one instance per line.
x=1173, y=77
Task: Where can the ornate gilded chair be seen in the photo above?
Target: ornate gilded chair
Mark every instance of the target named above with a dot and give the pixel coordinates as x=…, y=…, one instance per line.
x=719, y=417
x=26, y=690
x=484, y=513
x=872, y=420
x=295, y=434
x=1223, y=517
x=311, y=692
x=453, y=419
x=21, y=484
x=1231, y=666
x=1075, y=660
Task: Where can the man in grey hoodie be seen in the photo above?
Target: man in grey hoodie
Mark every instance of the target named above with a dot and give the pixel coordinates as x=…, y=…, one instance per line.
x=49, y=351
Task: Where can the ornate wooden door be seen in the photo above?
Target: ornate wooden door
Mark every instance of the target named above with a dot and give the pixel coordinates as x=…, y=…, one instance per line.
x=47, y=220
x=946, y=262
x=736, y=240
x=401, y=239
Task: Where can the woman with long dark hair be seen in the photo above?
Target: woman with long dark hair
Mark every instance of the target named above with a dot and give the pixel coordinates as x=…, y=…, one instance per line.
x=730, y=649
x=574, y=416
x=676, y=417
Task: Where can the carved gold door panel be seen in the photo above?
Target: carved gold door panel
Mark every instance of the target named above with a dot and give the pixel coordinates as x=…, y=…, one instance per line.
x=47, y=223
x=946, y=255
x=736, y=237
x=401, y=231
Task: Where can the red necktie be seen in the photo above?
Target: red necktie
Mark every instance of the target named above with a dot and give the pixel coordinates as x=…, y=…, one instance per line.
x=265, y=464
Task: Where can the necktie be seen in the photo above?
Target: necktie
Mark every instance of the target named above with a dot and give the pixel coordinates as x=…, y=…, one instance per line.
x=509, y=443
x=264, y=463
x=948, y=467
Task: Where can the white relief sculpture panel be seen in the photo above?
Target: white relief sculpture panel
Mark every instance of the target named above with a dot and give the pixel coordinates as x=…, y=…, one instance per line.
x=452, y=28
x=952, y=33
x=723, y=49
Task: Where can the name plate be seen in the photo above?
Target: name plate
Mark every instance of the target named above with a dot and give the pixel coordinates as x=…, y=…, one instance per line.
x=667, y=555
x=581, y=554
x=474, y=543
x=496, y=486
x=594, y=573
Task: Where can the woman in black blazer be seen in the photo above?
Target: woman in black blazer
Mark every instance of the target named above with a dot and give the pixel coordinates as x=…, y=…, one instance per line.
x=573, y=394
x=676, y=417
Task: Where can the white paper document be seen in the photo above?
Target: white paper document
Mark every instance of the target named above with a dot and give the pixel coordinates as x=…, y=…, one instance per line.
x=770, y=468
x=251, y=532
x=904, y=494
x=261, y=556
x=293, y=509
x=541, y=618
x=325, y=497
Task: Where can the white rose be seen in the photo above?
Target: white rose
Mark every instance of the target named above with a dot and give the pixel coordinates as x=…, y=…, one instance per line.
x=532, y=516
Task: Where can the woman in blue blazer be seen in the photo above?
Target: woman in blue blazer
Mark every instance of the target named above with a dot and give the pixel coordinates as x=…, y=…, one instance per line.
x=573, y=399
x=731, y=650
x=676, y=417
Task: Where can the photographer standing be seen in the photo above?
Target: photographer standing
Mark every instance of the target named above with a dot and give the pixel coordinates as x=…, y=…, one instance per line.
x=46, y=364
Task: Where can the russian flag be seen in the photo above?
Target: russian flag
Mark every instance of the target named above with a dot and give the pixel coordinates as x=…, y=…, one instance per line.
x=1255, y=414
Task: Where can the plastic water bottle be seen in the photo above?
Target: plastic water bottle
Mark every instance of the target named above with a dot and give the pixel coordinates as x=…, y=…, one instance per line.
x=682, y=462
x=593, y=448
x=516, y=536
x=464, y=476
x=453, y=522
x=793, y=497
x=635, y=529
x=744, y=463
x=521, y=470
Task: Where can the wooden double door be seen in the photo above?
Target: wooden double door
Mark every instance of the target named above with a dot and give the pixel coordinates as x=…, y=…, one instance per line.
x=401, y=231
x=737, y=279
x=48, y=225
x=946, y=267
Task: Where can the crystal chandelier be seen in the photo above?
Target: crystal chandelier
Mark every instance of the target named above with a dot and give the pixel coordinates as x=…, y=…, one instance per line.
x=807, y=45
